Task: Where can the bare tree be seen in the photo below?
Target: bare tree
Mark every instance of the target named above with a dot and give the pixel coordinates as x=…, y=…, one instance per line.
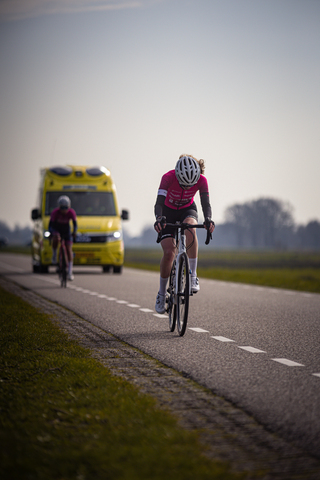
x=308, y=237
x=261, y=223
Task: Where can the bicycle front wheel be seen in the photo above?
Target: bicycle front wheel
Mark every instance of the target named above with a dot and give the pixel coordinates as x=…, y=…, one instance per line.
x=183, y=294
x=63, y=269
x=172, y=307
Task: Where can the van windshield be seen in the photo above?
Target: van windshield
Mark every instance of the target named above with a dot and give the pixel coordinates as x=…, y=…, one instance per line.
x=84, y=203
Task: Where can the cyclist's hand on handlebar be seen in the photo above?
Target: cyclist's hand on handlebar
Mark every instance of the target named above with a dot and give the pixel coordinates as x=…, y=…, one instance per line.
x=209, y=224
x=160, y=223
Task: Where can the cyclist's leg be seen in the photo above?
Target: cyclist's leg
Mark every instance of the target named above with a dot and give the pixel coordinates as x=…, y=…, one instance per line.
x=70, y=257
x=192, y=249
x=190, y=215
x=64, y=264
x=192, y=239
x=168, y=247
x=55, y=243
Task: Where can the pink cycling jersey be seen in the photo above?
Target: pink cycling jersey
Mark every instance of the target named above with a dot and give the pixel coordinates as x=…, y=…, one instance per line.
x=175, y=196
x=60, y=222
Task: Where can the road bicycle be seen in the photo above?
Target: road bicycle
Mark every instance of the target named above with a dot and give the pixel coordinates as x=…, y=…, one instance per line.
x=63, y=263
x=179, y=289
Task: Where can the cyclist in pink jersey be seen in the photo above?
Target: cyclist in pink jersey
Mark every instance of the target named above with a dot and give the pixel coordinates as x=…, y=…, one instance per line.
x=59, y=227
x=175, y=203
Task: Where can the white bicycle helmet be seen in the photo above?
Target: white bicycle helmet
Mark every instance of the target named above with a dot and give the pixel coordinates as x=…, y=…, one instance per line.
x=187, y=171
x=64, y=201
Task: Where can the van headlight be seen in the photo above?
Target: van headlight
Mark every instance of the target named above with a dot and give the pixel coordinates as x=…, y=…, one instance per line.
x=46, y=234
x=115, y=236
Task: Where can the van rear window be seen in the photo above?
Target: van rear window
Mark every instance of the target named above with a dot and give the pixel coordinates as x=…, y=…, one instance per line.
x=84, y=203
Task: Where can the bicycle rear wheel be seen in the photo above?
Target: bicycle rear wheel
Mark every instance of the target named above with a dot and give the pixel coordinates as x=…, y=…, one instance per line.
x=183, y=294
x=172, y=308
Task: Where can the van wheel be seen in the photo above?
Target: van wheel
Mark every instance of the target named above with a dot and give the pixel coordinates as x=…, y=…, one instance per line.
x=36, y=268
x=106, y=268
x=117, y=269
x=44, y=269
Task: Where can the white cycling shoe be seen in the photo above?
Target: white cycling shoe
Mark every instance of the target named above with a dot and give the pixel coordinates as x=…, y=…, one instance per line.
x=160, y=303
x=195, y=287
x=70, y=277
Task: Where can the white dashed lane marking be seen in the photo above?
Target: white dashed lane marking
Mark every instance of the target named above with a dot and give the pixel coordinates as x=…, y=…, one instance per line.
x=284, y=361
x=198, y=330
x=287, y=362
x=253, y=350
x=222, y=339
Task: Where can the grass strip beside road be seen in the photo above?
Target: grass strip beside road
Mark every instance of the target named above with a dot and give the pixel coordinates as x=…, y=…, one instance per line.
x=63, y=415
x=290, y=270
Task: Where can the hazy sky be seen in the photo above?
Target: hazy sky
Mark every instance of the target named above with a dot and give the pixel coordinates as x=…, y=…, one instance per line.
x=133, y=84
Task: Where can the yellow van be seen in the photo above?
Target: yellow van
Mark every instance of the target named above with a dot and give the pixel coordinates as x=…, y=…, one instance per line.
x=92, y=193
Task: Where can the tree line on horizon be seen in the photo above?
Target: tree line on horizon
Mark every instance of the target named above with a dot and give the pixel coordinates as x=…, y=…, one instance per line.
x=262, y=224
x=265, y=224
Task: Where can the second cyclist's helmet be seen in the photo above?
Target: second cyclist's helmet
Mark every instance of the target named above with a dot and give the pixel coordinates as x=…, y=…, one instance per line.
x=64, y=202
x=187, y=171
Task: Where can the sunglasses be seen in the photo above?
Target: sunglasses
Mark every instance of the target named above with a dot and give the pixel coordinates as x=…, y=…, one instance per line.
x=64, y=208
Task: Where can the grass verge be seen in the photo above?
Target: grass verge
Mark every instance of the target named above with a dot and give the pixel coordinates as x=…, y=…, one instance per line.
x=64, y=416
x=291, y=270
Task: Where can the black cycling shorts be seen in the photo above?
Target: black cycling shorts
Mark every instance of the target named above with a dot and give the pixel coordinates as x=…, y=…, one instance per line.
x=68, y=238
x=174, y=216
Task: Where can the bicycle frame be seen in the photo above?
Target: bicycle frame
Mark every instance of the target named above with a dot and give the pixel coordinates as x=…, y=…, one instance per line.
x=181, y=238
x=180, y=288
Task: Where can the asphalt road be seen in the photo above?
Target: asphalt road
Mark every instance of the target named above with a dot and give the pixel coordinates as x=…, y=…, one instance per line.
x=257, y=347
